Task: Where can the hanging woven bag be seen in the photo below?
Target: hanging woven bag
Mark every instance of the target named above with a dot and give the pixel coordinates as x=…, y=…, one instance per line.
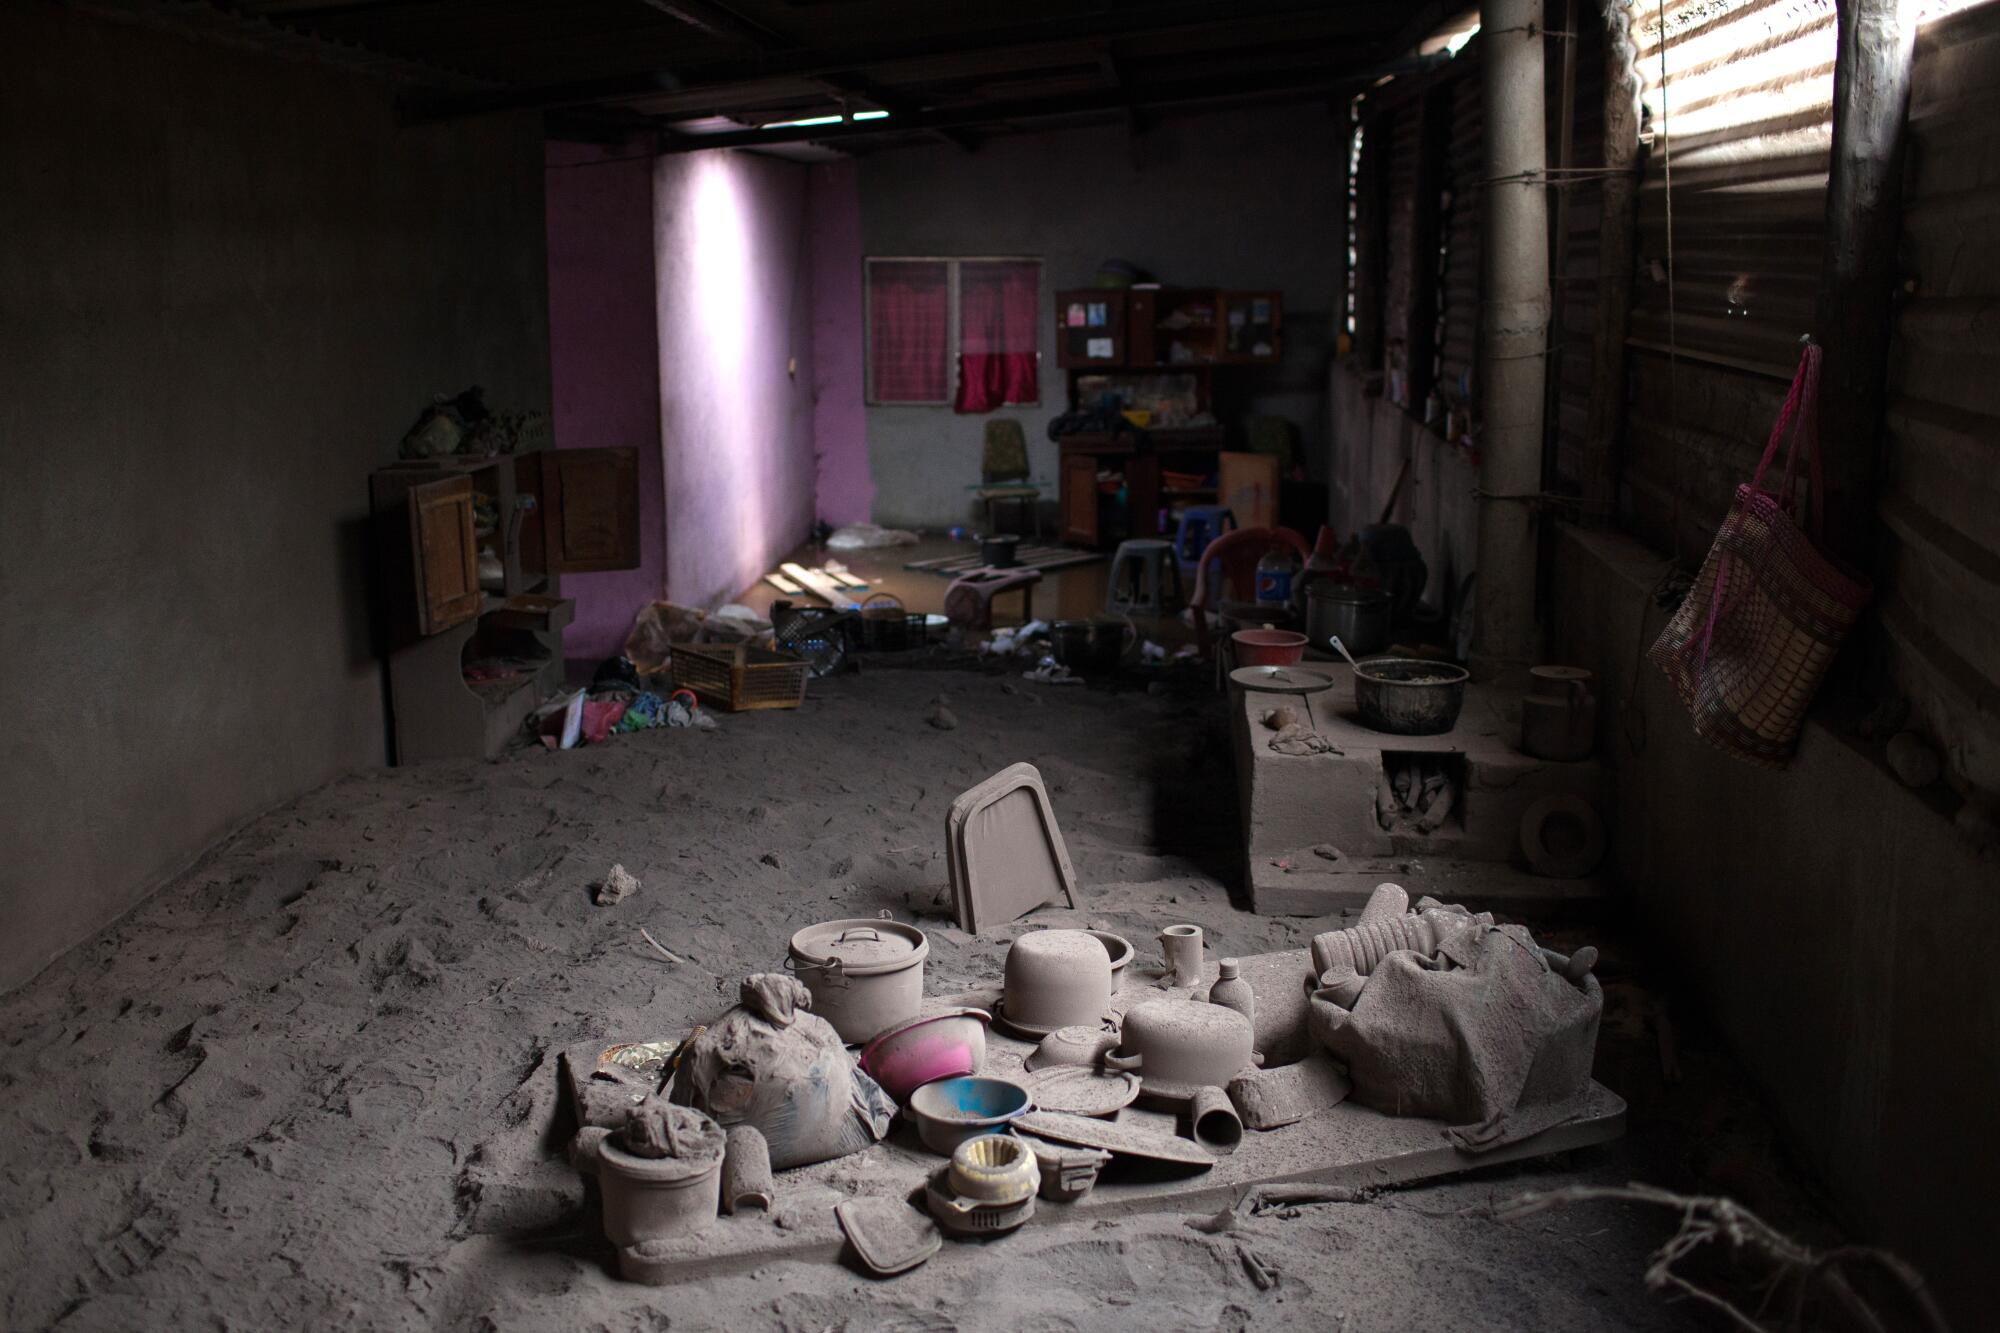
x=1747, y=650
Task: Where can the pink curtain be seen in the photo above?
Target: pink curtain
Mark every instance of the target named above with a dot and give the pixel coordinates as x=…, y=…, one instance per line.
x=907, y=305
x=999, y=321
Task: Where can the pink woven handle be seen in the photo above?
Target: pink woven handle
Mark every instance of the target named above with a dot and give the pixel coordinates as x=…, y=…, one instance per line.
x=1801, y=412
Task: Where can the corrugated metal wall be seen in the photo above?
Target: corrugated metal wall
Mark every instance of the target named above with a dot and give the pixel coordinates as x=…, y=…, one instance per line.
x=1576, y=207
x=1747, y=110
x=1939, y=599
x=1404, y=138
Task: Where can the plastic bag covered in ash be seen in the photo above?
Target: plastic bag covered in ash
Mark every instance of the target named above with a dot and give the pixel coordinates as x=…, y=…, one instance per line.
x=771, y=1064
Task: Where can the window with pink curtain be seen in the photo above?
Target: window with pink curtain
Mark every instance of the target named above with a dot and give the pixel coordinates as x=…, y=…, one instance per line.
x=909, y=302
x=999, y=323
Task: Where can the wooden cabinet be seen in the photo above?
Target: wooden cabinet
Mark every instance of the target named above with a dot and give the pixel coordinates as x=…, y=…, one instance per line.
x=445, y=563
x=592, y=508
x=1253, y=326
x=470, y=552
x=1168, y=327
x=1079, y=498
x=1090, y=328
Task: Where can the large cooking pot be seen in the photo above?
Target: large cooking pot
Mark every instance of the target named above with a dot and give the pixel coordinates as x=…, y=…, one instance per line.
x=865, y=974
x=1358, y=615
x=1178, y=1047
x=1409, y=696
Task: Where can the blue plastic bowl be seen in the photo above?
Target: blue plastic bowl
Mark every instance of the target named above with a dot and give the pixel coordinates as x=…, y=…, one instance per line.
x=952, y=1110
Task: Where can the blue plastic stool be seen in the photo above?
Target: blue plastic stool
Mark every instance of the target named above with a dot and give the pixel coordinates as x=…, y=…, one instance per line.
x=1200, y=525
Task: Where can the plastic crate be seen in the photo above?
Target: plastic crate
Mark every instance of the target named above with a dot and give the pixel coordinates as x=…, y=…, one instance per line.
x=737, y=677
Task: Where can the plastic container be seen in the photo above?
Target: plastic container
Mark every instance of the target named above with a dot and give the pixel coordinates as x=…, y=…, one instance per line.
x=1268, y=647
x=952, y=1110
x=651, y=1198
x=924, y=1050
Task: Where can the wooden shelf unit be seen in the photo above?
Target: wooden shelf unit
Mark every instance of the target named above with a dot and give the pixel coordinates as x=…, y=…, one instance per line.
x=553, y=511
x=1168, y=328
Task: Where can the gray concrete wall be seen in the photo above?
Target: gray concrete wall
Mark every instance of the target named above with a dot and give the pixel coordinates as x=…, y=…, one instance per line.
x=1252, y=198
x=227, y=284
x=1826, y=918
x=1372, y=438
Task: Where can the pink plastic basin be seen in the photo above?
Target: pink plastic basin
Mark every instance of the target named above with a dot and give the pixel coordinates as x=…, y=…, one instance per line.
x=924, y=1050
x=1268, y=647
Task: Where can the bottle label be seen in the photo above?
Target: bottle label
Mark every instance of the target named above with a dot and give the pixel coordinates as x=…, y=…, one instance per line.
x=1274, y=585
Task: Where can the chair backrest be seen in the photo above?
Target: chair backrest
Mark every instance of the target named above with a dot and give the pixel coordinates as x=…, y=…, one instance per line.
x=1005, y=455
x=1238, y=553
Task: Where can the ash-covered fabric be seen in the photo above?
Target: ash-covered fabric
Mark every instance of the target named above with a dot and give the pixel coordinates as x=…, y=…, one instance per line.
x=1482, y=1034
x=770, y=1064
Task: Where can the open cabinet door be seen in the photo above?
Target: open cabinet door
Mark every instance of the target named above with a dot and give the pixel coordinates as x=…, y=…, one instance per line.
x=445, y=554
x=591, y=509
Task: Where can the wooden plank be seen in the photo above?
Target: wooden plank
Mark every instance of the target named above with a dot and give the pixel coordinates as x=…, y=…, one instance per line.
x=825, y=587
x=784, y=585
x=844, y=576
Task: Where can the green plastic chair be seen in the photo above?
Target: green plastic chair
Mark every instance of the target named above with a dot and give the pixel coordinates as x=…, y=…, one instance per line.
x=1003, y=474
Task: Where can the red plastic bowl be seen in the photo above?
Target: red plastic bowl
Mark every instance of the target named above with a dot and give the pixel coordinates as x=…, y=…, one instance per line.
x=1268, y=647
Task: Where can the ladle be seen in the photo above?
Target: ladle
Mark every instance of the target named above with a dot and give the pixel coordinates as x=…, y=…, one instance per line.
x=1334, y=643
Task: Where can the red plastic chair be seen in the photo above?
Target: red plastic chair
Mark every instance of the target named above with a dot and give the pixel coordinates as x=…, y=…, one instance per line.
x=1238, y=553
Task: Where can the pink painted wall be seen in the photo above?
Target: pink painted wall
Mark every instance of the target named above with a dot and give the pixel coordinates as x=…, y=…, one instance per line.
x=735, y=367
x=604, y=362
x=840, y=420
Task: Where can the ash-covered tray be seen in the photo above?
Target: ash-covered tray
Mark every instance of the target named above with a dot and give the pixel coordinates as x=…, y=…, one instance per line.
x=1081, y=1090
x=1117, y=1139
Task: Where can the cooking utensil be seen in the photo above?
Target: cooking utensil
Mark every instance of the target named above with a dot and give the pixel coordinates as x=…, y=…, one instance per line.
x=1333, y=642
x=865, y=973
x=1071, y=1047
x=1055, y=979
x=1082, y=1091
x=1281, y=680
x=1180, y=1046
x=1408, y=696
x=1358, y=616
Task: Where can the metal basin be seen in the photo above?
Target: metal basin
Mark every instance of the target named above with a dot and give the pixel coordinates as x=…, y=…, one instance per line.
x=1408, y=696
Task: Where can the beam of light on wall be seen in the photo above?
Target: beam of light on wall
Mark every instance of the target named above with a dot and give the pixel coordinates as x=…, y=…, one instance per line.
x=869, y=115
x=725, y=299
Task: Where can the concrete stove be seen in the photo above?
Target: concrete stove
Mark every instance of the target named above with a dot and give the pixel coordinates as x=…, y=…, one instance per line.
x=1321, y=830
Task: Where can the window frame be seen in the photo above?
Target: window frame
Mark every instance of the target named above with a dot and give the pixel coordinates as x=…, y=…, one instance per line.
x=954, y=333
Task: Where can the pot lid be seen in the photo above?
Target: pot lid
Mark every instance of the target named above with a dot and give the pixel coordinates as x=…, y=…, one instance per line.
x=1319, y=590
x=860, y=945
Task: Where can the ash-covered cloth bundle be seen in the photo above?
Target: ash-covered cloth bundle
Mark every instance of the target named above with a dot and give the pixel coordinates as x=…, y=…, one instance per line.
x=770, y=1064
x=1444, y=1014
